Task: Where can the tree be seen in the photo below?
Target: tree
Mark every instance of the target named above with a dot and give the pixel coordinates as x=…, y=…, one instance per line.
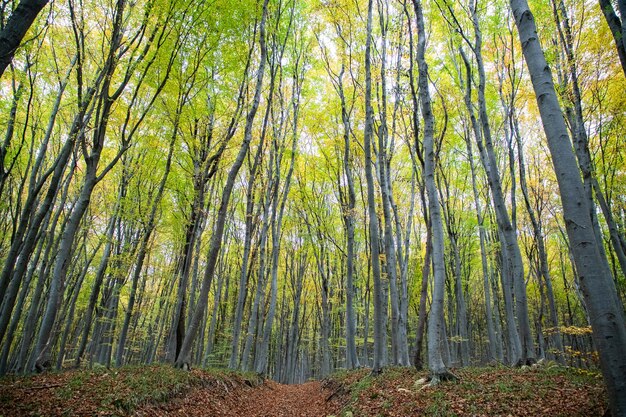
x=379, y=334
x=436, y=332
x=607, y=319
x=16, y=27
x=183, y=360
x=617, y=25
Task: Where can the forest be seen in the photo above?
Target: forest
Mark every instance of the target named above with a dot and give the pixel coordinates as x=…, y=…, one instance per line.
x=295, y=188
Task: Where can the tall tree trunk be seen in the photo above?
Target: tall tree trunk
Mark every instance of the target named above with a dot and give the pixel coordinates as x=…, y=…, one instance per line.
x=544, y=268
x=203, y=164
x=278, y=213
x=47, y=240
x=617, y=26
x=418, y=362
x=143, y=250
x=352, y=359
x=607, y=319
x=581, y=142
x=90, y=180
x=436, y=325
x=25, y=238
x=382, y=162
x=250, y=226
x=494, y=353
x=459, y=296
x=514, y=263
x=379, y=335
x=184, y=357
x=417, y=151
x=255, y=322
x=402, y=254
x=514, y=341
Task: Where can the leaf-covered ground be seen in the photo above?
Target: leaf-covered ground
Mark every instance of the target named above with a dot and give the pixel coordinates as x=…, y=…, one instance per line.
x=543, y=391
x=159, y=390
x=104, y=392
x=270, y=399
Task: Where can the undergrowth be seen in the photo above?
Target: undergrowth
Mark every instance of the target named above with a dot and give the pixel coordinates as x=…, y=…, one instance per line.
x=547, y=390
x=102, y=391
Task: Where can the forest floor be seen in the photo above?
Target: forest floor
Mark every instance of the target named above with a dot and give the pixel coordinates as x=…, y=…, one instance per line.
x=159, y=391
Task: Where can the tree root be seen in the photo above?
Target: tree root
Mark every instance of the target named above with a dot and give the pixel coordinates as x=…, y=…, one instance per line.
x=436, y=378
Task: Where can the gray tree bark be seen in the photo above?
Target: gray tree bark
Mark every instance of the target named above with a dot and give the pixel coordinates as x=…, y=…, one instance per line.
x=184, y=357
x=15, y=29
x=494, y=352
x=382, y=163
x=379, y=336
x=436, y=329
x=250, y=226
x=581, y=143
x=514, y=342
x=143, y=249
x=347, y=197
x=514, y=263
x=617, y=26
x=459, y=296
x=607, y=319
x=25, y=237
x=352, y=359
x=277, y=221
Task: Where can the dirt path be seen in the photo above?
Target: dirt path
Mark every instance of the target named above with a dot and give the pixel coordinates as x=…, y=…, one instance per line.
x=267, y=400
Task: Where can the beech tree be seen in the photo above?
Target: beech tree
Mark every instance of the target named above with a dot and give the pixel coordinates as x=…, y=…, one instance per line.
x=15, y=28
x=606, y=315
x=293, y=188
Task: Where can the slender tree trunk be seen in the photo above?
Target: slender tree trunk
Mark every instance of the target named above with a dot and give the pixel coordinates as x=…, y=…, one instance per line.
x=403, y=256
x=459, y=296
x=192, y=235
x=379, y=336
x=436, y=325
x=243, y=276
x=255, y=323
x=97, y=285
x=278, y=213
x=382, y=163
x=514, y=263
x=510, y=264
x=617, y=26
x=544, y=268
x=70, y=315
x=421, y=316
x=48, y=240
x=259, y=296
x=581, y=142
x=184, y=357
x=294, y=330
x=352, y=360
x=89, y=182
x=143, y=251
x=57, y=285
x=493, y=351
